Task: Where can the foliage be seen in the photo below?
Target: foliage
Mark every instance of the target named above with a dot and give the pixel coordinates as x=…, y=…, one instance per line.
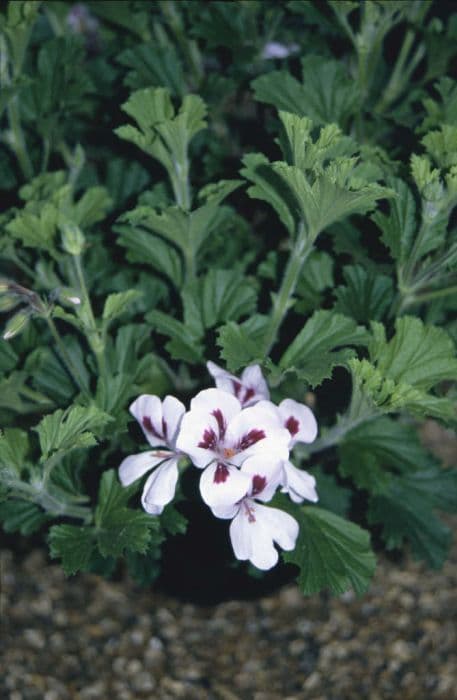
x=176, y=191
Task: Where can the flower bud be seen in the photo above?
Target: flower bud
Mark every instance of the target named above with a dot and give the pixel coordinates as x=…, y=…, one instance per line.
x=69, y=296
x=16, y=324
x=72, y=239
x=8, y=302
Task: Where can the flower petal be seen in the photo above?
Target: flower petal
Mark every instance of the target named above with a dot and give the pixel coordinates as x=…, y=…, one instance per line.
x=135, y=466
x=160, y=487
x=299, y=484
x=254, y=530
x=249, y=389
x=203, y=428
x=256, y=429
x=147, y=409
x=299, y=421
x=265, y=472
x=222, y=486
x=172, y=413
x=210, y=399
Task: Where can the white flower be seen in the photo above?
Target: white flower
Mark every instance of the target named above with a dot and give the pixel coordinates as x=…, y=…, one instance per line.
x=274, y=49
x=298, y=483
x=250, y=388
x=299, y=420
x=256, y=528
x=160, y=422
x=219, y=436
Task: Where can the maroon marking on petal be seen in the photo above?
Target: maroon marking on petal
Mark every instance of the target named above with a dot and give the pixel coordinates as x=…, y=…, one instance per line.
x=147, y=425
x=164, y=428
x=258, y=484
x=236, y=387
x=221, y=424
x=209, y=440
x=292, y=425
x=251, y=438
x=249, y=511
x=248, y=394
x=221, y=474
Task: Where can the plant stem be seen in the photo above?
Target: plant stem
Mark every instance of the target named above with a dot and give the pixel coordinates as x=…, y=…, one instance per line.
x=94, y=337
x=300, y=251
x=360, y=411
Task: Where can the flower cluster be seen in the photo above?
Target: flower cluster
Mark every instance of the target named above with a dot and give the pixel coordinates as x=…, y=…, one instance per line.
x=241, y=442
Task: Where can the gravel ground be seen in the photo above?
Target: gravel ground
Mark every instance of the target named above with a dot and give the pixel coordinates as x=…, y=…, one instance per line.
x=86, y=638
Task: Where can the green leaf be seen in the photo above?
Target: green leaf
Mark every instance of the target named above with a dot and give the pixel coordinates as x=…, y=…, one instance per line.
x=91, y=207
x=124, y=529
x=238, y=349
x=405, y=512
x=73, y=546
x=392, y=443
x=183, y=344
x=226, y=296
x=326, y=94
x=150, y=64
x=268, y=187
x=35, y=230
x=21, y=516
x=418, y=355
x=14, y=445
x=399, y=226
x=316, y=350
x=366, y=295
x=316, y=277
x=330, y=552
x=172, y=521
x=68, y=430
x=116, y=304
x=119, y=528
x=332, y=496
x=163, y=134
x=151, y=250
x=186, y=230
x=332, y=197
x=389, y=396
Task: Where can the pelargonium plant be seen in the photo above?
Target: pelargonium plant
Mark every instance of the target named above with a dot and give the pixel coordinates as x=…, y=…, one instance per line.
x=262, y=200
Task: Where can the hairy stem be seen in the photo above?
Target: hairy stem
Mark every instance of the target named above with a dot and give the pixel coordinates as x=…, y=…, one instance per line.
x=297, y=258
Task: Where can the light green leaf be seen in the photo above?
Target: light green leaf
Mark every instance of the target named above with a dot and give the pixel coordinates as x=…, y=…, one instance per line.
x=332, y=197
x=331, y=552
x=316, y=350
x=68, y=430
x=418, y=355
x=116, y=304
x=238, y=348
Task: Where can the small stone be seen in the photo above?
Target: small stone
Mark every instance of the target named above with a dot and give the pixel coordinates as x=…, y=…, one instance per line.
x=143, y=682
x=34, y=638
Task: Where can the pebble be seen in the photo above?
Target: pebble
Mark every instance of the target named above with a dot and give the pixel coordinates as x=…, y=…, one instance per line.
x=86, y=639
